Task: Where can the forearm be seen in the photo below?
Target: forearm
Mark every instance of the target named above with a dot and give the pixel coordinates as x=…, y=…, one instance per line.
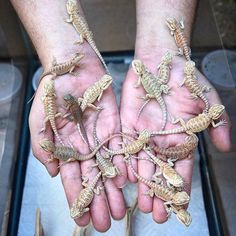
x=152, y=31
x=45, y=23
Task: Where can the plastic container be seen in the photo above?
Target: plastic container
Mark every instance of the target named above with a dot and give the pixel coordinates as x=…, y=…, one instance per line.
x=10, y=84
x=219, y=67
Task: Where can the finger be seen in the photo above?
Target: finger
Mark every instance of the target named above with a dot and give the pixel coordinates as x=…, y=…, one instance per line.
x=159, y=213
x=115, y=199
x=119, y=180
x=220, y=136
x=146, y=170
x=36, y=123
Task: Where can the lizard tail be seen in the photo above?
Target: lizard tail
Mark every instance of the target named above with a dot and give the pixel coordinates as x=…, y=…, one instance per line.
x=82, y=133
x=205, y=100
x=93, y=46
x=164, y=114
x=142, y=107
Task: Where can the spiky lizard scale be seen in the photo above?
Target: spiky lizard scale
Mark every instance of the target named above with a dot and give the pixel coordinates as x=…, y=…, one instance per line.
x=81, y=203
x=176, y=29
x=82, y=28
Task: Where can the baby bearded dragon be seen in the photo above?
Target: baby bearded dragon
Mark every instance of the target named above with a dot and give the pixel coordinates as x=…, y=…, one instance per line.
x=152, y=86
x=191, y=83
x=182, y=215
x=170, y=174
x=133, y=147
x=164, y=68
x=179, y=151
x=68, y=154
x=94, y=92
x=80, y=205
x=170, y=196
x=176, y=29
x=104, y=164
x=50, y=107
x=82, y=28
x=76, y=112
x=64, y=67
x=198, y=123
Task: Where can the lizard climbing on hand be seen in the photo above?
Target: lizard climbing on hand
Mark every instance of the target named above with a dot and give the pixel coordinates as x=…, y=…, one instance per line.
x=94, y=92
x=191, y=83
x=81, y=26
x=50, y=108
x=176, y=29
x=152, y=86
x=81, y=203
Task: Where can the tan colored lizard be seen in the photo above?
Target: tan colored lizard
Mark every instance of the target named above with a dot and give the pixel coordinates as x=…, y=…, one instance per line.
x=170, y=196
x=169, y=173
x=64, y=67
x=73, y=107
x=198, y=123
x=102, y=161
x=133, y=147
x=153, y=87
x=164, y=68
x=176, y=29
x=182, y=215
x=179, y=151
x=94, y=92
x=68, y=154
x=50, y=107
x=191, y=83
x=82, y=28
x=81, y=203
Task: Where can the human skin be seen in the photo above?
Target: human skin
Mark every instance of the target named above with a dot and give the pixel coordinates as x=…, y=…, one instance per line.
x=153, y=39
x=52, y=37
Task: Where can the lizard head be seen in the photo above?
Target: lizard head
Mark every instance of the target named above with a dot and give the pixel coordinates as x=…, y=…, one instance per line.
x=184, y=217
x=172, y=23
x=144, y=135
x=181, y=198
x=167, y=57
x=138, y=67
x=111, y=172
x=72, y=6
x=47, y=145
x=105, y=81
x=77, y=210
x=216, y=111
x=189, y=68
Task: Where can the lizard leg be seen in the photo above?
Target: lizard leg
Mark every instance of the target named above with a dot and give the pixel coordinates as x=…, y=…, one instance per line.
x=180, y=52
x=49, y=160
x=182, y=83
x=221, y=122
x=171, y=160
x=81, y=40
x=69, y=20
x=156, y=177
x=168, y=210
x=94, y=107
x=181, y=24
x=44, y=124
x=206, y=89
x=150, y=192
x=71, y=71
x=58, y=115
x=98, y=190
x=193, y=96
x=100, y=96
x=85, y=181
x=138, y=83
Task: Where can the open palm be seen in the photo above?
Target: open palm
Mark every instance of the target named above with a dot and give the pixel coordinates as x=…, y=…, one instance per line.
x=179, y=104
x=111, y=200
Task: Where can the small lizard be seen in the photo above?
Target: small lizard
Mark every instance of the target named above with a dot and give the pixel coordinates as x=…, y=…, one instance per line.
x=152, y=86
x=179, y=151
x=68, y=154
x=73, y=107
x=103, y=162
x=164, y=68
x=197, y=123
x=81, y=203
x=170, y=174
x=64, y=67
x=94, y=92
x=176, y=29
x=182, y=215
x=133, y=147
x=50, y=107
x=82, y=28
x=170, y=196
x=191, y=83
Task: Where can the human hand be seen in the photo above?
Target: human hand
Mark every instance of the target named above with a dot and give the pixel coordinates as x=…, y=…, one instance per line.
x=111, y=198
x=179, y=105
